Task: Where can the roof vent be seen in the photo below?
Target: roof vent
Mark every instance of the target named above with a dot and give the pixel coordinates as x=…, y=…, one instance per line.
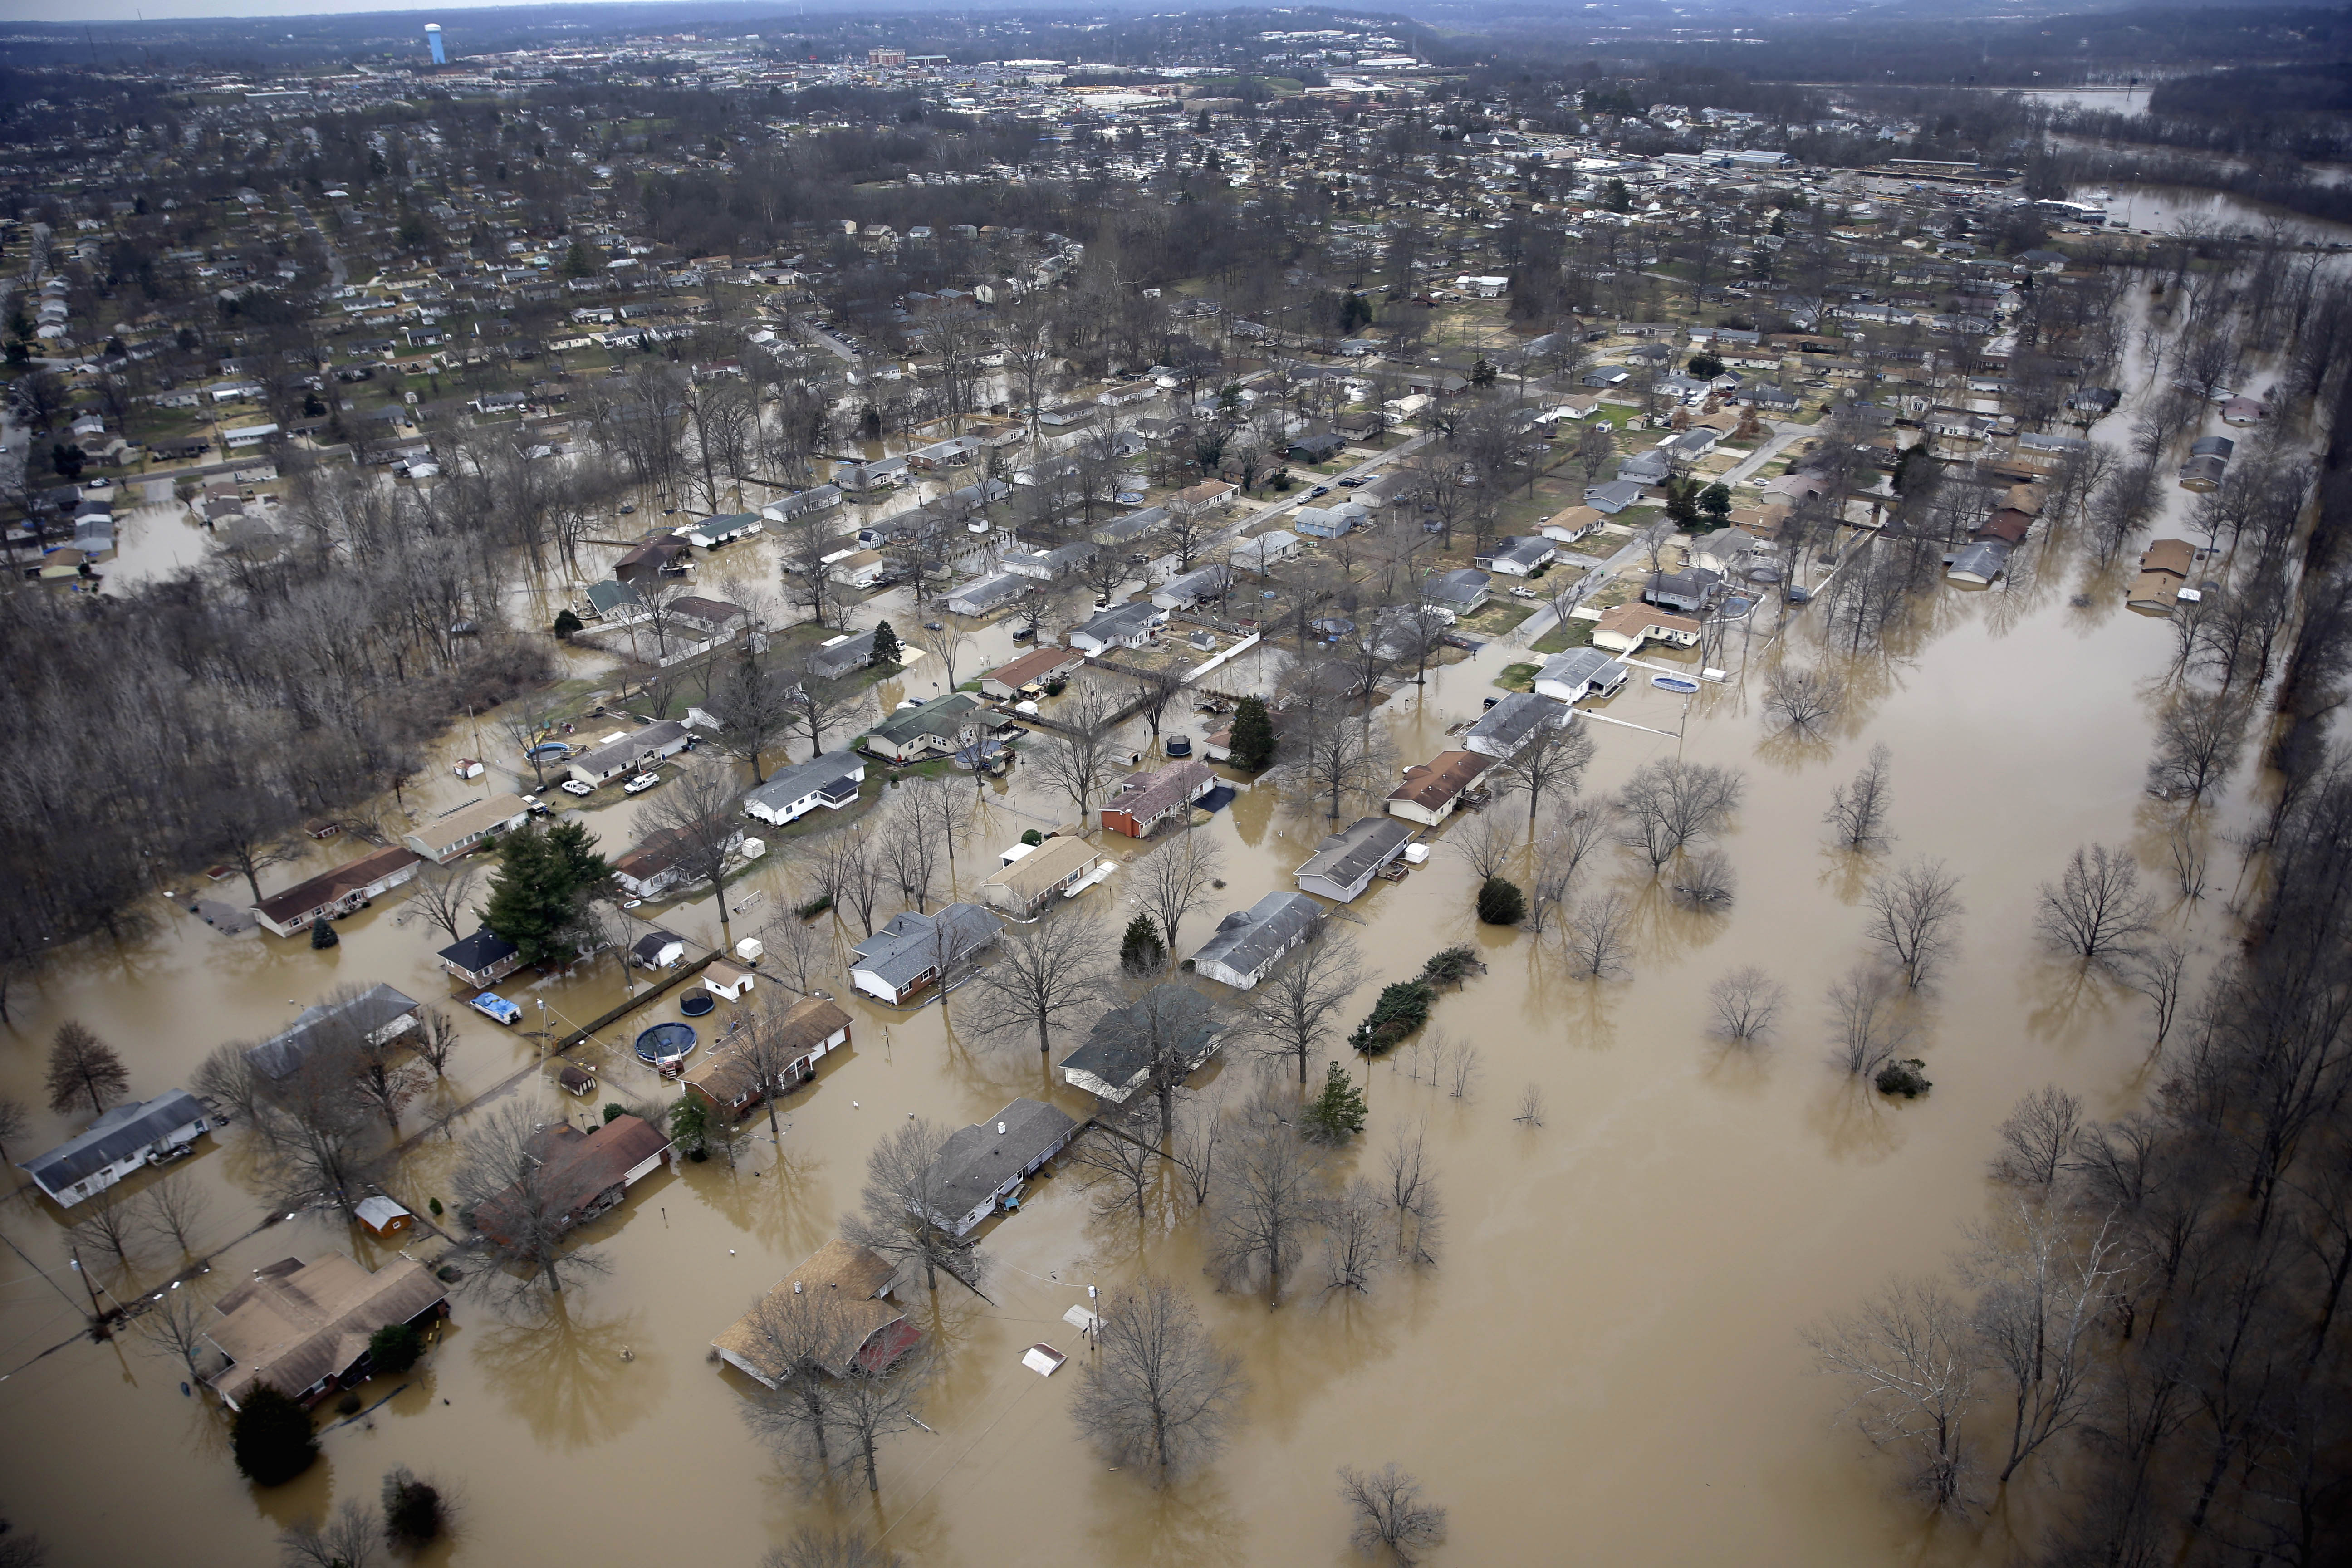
x=1000, y=1130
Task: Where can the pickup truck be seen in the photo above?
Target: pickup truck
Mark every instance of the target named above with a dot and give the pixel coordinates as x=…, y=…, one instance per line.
x=490, y=1004
x=641, y=783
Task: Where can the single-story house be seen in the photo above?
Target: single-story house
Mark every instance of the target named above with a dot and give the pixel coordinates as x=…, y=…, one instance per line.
x=460, y=832
x=1432, y=789
x=339, y=891
x=1249, y=942
x=1051, y=566
x=655, y=867
x=1647, y=468
x=1613, y=497
x=696, y=613
x=984, y=1164
x=481, y=960
x=629, y=753
x=1795, y=487
x=653, y=559
x=1626, y=627
x=1979, y=563
x=990, y=594
x=843, y=655
x=1115, y=1062
x=1268, y=550
x=1035, y=668
x=1320, y=448
x=1692, y=588
x=1122, y=626
x=2164, y=568
x=303, y=1329
x=906, y=958
x=830, y=781
x=1572, y=523
x=1457, y=593
x=939, y=728
x=1026, y=886
x=1606, y=377
x=579, y=1176
x=371, y=1016
x=729, y=1082
x=1200, y=583
x=856, y=1283
x=717, y=533
x=1343, y=865
x=1329, y=523
x=121, y=1141
x=2008, y=525
x=859, y=569
x=1196, y=499
x=1516, y=555
x=614, y=600
x=1145, y=802
x=2244, y=411
x=1503, y=730
x=865, y=477
x=1727, y=549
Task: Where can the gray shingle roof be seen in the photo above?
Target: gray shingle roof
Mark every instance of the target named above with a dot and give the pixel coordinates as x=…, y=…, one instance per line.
x=788, y=784
x=1246, y=940
x=907, y=947
x=120, y=1132
x=352, y=1020
x=977, y=1160
x=1120, y=1048
x=1348, y=856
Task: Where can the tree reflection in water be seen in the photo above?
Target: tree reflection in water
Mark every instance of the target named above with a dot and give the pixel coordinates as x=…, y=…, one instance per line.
x=1177, y=1527
x=1857, y=1124
x=561, y=1369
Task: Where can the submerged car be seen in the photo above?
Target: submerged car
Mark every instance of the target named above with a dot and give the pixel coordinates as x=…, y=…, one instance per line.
x=490, y=1004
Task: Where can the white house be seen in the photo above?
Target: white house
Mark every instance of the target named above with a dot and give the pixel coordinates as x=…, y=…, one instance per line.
x=1249, y=942
x=118, y=1144
x=830, y=781
x=1578, y=673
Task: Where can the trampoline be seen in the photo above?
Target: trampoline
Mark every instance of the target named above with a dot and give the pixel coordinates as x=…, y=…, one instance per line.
x=665, y=1045
x=697, y=1004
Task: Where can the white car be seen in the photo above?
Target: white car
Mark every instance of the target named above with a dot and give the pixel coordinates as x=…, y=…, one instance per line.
x=574, y=786
x=641, y=783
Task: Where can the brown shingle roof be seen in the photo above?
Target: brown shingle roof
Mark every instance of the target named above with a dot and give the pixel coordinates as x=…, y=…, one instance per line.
x=1432, y=784
x=295, y=1323
x=724, y=1075
x=327, y=887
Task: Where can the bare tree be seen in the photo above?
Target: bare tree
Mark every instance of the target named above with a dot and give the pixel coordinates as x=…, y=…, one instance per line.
x=1552, y=763
x=1043, y=973
x=433, y=1039
x=947, y=644
x=1487, y=844
x=1167, y=883
x=1077, y=758
x=384, y=1080
x=1266, y=1201
x=1913, y=911
x=758, y=705
x=347, y=1538
x=1570, y=835
x=1598, y=935
x=1866, y=1025
x=1157, y=689
x=1165, y=1028
x=1912, y=1359
x=1354, y=1239
x=799, y=951
x=1412, y=1194
x=2037, y=1138
x=826, y=1549
x=515, y=1201
x=2198, y=739
x=1858, y=810
x=1746, y=1004
x=83, y=1067
x=849, y=872
x=2041, y=1318
x=877, y=1403
x=801, y=1340
x=172, y=1208
x=2097, y=905
x=1292, y=1015
x=443, y=897
x=695, y=822
x=1531, y=1106
x=1158, y=1393
x=1326, y=752
x=1391, y=1519
x=903, y=1214
x=1196, y=1143
x=14, y=1123
x=174, y=1324
x=1803, y=701
x=109, y=1225
x=907, y=843
x=2156, y=969
x=1670, y=802
x=1704, y=880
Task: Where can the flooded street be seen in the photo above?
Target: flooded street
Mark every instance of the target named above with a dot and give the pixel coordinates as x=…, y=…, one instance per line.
x=1607, y=1347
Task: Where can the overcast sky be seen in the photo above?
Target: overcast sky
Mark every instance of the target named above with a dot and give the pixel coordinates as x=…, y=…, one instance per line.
x=156, y=10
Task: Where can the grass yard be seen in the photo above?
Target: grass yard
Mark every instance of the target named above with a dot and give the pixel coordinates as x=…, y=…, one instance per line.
x=1518, y=676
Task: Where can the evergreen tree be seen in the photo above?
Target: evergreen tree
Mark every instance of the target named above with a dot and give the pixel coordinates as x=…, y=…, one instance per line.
x=1337, y=1113
x=567, y=624
x=1141, y=950
x=1500, y=902
x=322, y=934
x=395, y=1348
x=1253, y=735
x=886, y=646
x=689, y=1126
x=271, y=1437
x=1617, y=198
x=578, y=263
x=541, y=891
x=1715, y=501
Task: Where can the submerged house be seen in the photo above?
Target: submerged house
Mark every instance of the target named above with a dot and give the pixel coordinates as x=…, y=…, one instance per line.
x=1344, y=864
x=1168, y=1022
x=728, y=1082
x=830, y=781
x=855, y=1284
x=336, y=893
x=303, y=1329
x=371, y=1016
x=1248, y=944
x=1025, y=886
x=985, y=1163
x=1146, y=802
x=580, y=1175
x=118, y=1144
x=908, y=956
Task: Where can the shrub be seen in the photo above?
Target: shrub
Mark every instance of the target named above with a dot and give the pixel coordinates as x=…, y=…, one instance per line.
x=614, y=1109
x=1399, y=1009
x=433, y=1206
x=1906, y=1078
x=271, y=1437
x=1500, y=902
x=690, y=1127
x=815, y=907
x=1452, y=966
x=567, y=624
x=448, y=1274
x=1055, y=686
x=395, y=1348
x=322, y=934
x=1031, y=837
x=413, y=1511
x=1337, y=1114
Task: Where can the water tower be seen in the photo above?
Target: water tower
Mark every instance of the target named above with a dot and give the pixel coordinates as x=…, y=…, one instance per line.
x=432, y=39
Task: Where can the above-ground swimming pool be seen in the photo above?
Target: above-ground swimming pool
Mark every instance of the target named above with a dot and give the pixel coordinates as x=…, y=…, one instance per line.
x=665, y=1043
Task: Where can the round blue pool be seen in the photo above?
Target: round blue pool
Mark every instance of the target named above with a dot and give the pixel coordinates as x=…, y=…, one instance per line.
x=665, y=1043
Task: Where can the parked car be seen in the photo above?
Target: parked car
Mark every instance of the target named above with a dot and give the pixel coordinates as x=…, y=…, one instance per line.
x=574, y=786
x=1022, y=633
x=641, y=783
x=490, y=1004
x=1349, y=484
x=1319, y=492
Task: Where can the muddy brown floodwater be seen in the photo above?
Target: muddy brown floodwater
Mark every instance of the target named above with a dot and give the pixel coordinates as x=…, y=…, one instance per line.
x=1606, y=1355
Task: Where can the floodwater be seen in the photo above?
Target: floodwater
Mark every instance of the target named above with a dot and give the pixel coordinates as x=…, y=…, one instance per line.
x=2161, y=209
x=1607, y=1350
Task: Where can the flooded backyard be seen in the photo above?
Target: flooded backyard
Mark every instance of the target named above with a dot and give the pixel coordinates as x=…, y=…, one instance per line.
x=1607, y=1348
